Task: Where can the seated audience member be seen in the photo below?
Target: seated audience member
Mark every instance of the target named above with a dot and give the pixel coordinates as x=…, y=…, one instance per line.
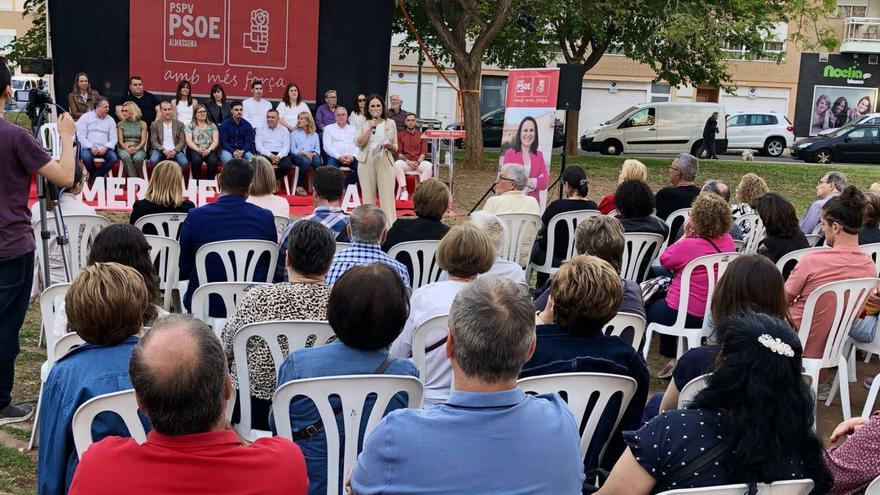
x=853, y=463
x=132, y=138
x=146, y=101
x=358, y=115
x=829, y=186
x=236, y=137
x=735, y=292
x=494, y=228
x=180, y=380
x=602, y=237
x=783, y=234
x=218, y=108
x=96, y=132
x=431, y=200
x=842, y=219
x=167, y=137
x=634, y=202
x=164, y=195
x=510, y=197
x=202, y=144
x=82, y=98
x=576, y=187
x=272, y=141
x=720, y=188
x=751, y=187
x=585, y=295
x=411, y=153
x=310, y=248
x=493, y=425
x=767, y=438
x=290, y=106
x=367, y=230
x=328, y=185
x=325, y=114
x=396, y=112
x=338, y=142
x=263, y=188
x=365, y=323
x=99, y=367
x=463, y=254
x=631, y=170
x=126, y=245
x=231, y=217
x=255, y=109
x=682, y=193
x=705, y=232
x=305, y=149
x=870, y=232
x=183, y=102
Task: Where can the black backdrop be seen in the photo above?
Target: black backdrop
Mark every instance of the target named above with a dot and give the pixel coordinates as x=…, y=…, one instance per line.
x=354, y=44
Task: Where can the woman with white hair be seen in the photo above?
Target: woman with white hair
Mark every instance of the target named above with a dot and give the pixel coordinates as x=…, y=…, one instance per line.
x=492, y=226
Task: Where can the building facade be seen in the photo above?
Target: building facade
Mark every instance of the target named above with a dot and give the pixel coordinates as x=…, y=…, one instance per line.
x=12, y=23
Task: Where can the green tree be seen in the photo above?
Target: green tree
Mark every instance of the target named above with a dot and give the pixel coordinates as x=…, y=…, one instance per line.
x=33, y=42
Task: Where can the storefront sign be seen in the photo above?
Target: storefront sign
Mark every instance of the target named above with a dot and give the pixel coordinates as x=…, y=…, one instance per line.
x=852, y=75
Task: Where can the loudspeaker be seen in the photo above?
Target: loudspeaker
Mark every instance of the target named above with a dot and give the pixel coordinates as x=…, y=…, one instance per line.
x=571, y=77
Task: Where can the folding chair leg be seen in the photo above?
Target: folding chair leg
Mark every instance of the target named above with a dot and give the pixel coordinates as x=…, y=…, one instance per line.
x=648, y=334
x=843, y=381
x=35, y=433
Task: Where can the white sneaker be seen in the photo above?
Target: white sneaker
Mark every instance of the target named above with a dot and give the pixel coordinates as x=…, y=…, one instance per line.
x=403, y=194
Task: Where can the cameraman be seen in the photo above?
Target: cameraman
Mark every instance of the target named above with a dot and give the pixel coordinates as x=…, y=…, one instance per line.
x=21, y=155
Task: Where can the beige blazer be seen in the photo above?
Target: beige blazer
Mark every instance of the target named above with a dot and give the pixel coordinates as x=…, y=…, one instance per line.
x=390, y=135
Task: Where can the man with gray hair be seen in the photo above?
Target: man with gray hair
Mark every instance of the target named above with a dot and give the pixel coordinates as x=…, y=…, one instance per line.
x=720, y=188
x=830, y=185
x=178, y=370
x=511, y=198
x=367, y=231
x=489, y=437
x=682, y=173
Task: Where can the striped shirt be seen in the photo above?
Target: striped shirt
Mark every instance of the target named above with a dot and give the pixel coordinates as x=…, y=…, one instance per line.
x=333, y=218
x=360, y=254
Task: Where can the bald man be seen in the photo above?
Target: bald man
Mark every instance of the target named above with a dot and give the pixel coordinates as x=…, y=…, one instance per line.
x=178, y=370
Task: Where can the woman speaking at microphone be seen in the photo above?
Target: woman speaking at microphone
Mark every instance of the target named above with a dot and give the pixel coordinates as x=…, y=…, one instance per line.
x=377, y=142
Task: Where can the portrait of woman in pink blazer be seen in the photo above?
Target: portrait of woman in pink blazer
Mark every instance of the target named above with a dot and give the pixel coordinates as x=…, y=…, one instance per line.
x=524, y=151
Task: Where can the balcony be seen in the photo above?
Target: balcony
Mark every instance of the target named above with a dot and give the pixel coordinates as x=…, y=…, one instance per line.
x=861, y=35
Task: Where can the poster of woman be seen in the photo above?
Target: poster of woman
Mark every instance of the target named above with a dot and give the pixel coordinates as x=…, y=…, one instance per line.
x=836, y=106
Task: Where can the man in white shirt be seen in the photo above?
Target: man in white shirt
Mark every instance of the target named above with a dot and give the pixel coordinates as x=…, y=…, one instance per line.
x=273, y=142
x=96, y=132
x=167, y=137
x=339, y=144
x=255, y=107
x=510, y=197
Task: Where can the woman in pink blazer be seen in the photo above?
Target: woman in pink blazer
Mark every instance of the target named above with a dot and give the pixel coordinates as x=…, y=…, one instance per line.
x=525, y=152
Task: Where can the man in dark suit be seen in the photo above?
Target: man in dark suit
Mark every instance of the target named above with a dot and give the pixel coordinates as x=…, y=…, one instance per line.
x=231, y=217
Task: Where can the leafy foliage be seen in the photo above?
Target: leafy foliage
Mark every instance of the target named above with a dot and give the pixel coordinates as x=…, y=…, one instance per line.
x=33, y=42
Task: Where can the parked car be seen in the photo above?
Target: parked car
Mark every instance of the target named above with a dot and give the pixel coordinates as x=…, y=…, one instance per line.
x=859, y=143
x=21, y=83
x=766, y=132
x=664, y=127
x=868, y=118
x=493, y=126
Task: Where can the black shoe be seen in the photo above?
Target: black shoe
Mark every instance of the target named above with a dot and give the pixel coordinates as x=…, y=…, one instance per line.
x=15, y=414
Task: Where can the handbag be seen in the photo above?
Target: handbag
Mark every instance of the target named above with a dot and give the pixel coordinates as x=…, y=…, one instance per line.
x=654, y=289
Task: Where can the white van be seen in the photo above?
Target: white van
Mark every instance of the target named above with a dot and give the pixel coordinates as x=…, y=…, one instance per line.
x=663, y=127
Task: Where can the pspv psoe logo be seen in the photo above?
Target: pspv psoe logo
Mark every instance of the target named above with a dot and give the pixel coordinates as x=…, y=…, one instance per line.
x=851, y=74
x=258, y=33
x=195, y=31
x=532, y=86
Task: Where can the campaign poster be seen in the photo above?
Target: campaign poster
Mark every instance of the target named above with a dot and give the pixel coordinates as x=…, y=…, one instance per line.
x=835, y=106
x=227, y=42
x=529, y=117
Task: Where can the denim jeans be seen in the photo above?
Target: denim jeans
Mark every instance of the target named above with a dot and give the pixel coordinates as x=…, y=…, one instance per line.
x=88, y=159
x=16, y=278
x=353, y=176
x=225, y=156
x=157, y=156
x=303, y=163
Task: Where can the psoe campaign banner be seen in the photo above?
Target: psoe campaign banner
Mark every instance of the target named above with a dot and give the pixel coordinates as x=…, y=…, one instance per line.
x=227, y=42
x=529, y=119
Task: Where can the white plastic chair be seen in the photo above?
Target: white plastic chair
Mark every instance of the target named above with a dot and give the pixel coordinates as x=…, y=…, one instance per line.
x=813, y=239
x=690, y=390
x=352, y=392
x=426, y=334
x=240, y=259
x=166, y=224
x=579, y=390
x=873, y=250
x=230, y=292
x=268, y=332
x=789, y=487
x=519, y=234
x=165, y=255
x=422, y=256
x=638, y=247
x=290, y=186
x=739, y=245
x=675, y=219
x=754, y=231
x=874, y=487
x=281, y=223
x=817, y=229
x=869, y=404
x=850, y=297
x=61, y=347
x=795, y=256
x=81, y=231
x=624, y=321
x=51, y=139
x=50, y=300
x=714, y=265
x=122, y=403
x=570, y=219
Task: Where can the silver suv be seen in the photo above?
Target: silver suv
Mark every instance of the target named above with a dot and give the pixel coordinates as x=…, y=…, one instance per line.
x=767, y=132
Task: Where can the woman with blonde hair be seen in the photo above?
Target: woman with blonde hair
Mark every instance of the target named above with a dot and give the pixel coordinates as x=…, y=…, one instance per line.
x=202, y=143
x=264, y=186
x=751, y=187
x=631, y=170
x=132, y=138
x=164, y=194
x=377, y=143
x=82, y=98
x=305, y=148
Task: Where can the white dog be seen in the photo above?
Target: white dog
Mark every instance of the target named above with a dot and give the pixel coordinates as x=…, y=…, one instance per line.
x=748, y=155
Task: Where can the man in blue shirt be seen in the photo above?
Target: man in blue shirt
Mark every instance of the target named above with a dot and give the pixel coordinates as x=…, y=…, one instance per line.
x=367, y=230
x=489, y=437
x=231, y=217
x=236, y=137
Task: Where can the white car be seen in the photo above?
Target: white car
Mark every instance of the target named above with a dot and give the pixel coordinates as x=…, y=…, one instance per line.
x=766, y=132
x=868, y=118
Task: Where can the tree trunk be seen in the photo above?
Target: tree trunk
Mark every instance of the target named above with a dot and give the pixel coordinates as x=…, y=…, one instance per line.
x=469, y=83
x=571, y=125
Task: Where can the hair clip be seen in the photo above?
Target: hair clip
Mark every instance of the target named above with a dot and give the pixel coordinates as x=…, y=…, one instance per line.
x=776, y=345
x=582, y=182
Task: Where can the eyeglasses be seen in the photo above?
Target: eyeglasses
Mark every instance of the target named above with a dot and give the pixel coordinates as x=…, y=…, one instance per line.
x=362, y=99
x=505, y=178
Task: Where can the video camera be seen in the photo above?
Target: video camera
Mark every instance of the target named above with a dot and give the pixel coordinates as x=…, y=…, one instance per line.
x=38, y=100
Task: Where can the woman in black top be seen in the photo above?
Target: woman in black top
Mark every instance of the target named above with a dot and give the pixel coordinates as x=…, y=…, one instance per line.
x=218, y=109
x=576, y=187
x=634, y=201
x=431, y=200
x=784, y=234
x=164, y=195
